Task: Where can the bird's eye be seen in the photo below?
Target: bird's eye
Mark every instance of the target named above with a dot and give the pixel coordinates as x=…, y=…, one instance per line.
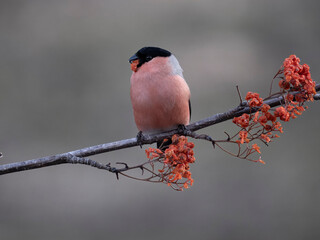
x=148, y=58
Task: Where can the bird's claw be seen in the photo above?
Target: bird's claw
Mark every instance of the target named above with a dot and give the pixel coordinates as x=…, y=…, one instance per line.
x=182, y=130
x=140, y=138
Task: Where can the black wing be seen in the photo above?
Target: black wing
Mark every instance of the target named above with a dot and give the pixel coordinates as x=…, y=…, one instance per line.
x=190, y=108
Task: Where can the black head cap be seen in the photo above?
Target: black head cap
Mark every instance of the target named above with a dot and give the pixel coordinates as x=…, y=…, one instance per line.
x=148, y=53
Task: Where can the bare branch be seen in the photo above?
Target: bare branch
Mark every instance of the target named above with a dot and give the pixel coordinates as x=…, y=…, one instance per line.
x=79, y=156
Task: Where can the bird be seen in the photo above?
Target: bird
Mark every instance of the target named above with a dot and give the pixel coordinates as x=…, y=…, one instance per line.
x=160, y=96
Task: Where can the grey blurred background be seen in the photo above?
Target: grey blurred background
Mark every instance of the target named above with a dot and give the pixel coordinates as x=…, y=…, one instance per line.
x=65, y=85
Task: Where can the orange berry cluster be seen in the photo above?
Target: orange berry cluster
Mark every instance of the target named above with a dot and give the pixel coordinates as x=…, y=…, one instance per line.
x=296, y=86
x=260, y=125
x=297, y=77
x=175, y=162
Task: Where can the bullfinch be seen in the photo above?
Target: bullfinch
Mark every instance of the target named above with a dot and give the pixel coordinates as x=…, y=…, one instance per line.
x=159, y=94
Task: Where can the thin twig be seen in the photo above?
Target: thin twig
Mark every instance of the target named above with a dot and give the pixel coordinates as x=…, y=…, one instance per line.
x=270, y=91
x=239, y=94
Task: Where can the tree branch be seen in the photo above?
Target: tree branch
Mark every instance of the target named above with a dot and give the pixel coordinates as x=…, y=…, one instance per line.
x=79, y=156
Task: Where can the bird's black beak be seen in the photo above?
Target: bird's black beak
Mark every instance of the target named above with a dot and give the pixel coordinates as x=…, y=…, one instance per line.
x=132, y=58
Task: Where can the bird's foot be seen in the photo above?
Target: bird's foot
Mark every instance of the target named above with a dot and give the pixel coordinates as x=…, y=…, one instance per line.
x=182, y=130
x=140, y=138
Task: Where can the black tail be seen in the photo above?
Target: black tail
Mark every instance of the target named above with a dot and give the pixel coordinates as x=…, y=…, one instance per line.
x=164, y=145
